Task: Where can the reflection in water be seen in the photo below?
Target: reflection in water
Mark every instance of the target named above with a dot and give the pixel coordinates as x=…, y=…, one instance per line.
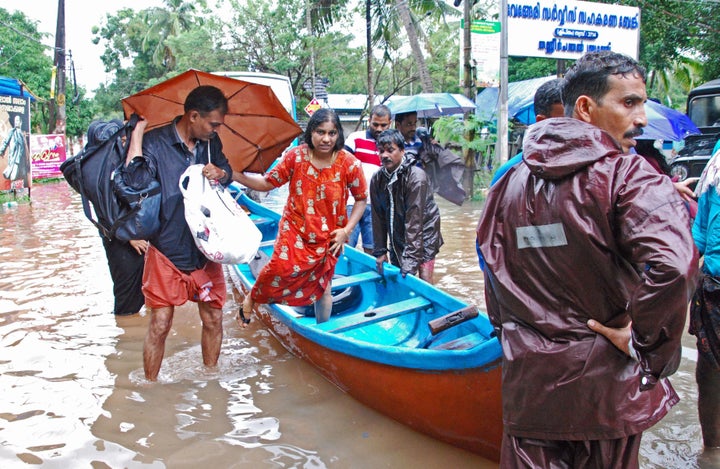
x=74, y=393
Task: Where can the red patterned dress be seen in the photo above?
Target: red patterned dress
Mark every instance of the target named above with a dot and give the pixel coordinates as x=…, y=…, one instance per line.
x=302, y=265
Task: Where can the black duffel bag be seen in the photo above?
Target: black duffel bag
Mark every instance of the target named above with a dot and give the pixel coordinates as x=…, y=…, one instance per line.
x=120, y=207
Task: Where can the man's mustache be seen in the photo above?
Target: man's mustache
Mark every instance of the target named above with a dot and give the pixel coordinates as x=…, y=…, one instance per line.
x=636, y=132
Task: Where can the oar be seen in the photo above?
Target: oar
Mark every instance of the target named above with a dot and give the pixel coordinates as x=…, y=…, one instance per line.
x=444, y=323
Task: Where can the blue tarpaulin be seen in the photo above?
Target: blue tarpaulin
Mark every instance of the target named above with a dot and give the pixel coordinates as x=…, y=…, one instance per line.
x=521, y=95
x=14, y=87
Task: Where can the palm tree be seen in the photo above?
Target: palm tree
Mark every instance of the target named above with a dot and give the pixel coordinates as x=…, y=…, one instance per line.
x=176, y=17
x=685, y=74
x=409, y=12
x=406, y=18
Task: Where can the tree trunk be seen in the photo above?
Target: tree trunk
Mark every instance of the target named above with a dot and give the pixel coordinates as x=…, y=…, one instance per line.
x=404, y=12
x=368, y=43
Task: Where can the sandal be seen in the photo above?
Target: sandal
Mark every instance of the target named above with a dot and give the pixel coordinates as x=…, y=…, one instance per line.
x=241, y=317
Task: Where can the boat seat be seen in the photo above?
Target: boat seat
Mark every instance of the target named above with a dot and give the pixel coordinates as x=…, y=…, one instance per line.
x=393, y=310
x=341, y=282
x=465, y=342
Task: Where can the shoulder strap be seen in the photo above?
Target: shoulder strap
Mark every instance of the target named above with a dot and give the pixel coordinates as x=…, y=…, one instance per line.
x=125, y=131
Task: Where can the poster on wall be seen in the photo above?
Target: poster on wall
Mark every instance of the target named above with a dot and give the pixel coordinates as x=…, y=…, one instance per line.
x=15, y=167
x=47, y=154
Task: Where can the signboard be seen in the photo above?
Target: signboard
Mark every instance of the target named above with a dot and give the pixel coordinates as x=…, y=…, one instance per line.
x=15, y=169
x=312, y=106
x=47, y=153
x=566, y=29
x=484, y=47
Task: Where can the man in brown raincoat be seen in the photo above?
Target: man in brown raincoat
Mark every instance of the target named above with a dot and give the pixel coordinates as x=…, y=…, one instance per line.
x=590, y=265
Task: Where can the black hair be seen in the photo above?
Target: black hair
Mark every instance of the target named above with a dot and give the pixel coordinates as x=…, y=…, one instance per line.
x=318, y=118
x=206, y=99
x=400, y=117
x=390, y=136
x=589, y=76
x=380, y=110
x=548, y=94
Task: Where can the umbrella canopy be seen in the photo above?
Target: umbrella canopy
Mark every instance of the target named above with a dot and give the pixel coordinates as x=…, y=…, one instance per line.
x=431, y=104
x=257, y=127
x=665, y=123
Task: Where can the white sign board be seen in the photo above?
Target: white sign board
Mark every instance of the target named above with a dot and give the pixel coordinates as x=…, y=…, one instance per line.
x=566, y=29
x=485, y=47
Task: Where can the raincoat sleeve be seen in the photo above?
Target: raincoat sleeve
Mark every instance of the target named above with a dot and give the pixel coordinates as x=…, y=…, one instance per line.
x=655, y=232
x=378, y=208
x=416, y=190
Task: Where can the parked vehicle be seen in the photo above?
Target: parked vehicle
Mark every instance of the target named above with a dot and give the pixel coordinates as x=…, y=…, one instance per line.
x=703, y=108
x=396, y=344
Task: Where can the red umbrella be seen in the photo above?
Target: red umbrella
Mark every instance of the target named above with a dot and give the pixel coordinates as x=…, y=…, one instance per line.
x=257, y=127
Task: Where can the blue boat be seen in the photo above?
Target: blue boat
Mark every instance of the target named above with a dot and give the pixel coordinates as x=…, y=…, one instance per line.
x=398, y=345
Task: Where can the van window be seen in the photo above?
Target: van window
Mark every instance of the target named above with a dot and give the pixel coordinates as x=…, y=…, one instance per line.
x=705, y=111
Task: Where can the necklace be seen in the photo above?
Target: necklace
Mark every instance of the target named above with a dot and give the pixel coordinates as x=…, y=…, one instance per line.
x=322, y=163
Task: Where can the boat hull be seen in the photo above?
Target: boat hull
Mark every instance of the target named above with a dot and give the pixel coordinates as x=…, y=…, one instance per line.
x=460, y=407
x=398, y=345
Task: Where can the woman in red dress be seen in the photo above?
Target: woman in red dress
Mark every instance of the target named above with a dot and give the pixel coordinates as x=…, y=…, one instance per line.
x=314, y=224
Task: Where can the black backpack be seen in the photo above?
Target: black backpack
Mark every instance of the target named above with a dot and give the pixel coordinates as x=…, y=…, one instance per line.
x=118, y=206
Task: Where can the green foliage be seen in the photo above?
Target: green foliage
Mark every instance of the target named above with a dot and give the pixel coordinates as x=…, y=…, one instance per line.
x=525, y=68
x=464, y=132
x=79, y=114
x=23, y=56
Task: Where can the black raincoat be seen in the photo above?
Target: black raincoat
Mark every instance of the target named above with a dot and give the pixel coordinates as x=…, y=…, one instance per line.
x=404, y=211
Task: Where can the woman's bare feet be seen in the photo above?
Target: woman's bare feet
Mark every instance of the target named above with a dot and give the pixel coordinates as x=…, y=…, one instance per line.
x=244, y=313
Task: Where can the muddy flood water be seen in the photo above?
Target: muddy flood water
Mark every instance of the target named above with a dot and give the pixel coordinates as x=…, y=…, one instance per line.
x=74, y=396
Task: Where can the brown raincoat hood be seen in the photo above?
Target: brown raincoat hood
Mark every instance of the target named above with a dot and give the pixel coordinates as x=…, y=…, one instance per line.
x=563, y=146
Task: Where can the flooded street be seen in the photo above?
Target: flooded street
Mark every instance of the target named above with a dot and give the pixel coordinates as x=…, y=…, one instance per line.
x=74, y=393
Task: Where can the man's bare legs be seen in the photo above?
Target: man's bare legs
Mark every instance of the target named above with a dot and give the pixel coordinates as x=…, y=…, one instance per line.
x=212, y=333
x=154, y=347
x=160, y=323
x=708, y=381
x=426, y=271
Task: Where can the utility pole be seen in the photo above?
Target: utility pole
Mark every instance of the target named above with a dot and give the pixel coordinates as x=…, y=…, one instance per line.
x=308, y=21
x=57, y=101
x=469, y=88
x=368, y=44
x=502, y=120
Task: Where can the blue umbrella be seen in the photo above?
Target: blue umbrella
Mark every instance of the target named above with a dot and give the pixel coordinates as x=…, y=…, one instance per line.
x=431, y=104
x=665, y=123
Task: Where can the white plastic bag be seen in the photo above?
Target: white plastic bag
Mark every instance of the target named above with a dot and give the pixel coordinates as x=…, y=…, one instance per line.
x=221, y=229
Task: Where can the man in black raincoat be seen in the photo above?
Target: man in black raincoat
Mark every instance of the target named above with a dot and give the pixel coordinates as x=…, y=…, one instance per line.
x=405, y=218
